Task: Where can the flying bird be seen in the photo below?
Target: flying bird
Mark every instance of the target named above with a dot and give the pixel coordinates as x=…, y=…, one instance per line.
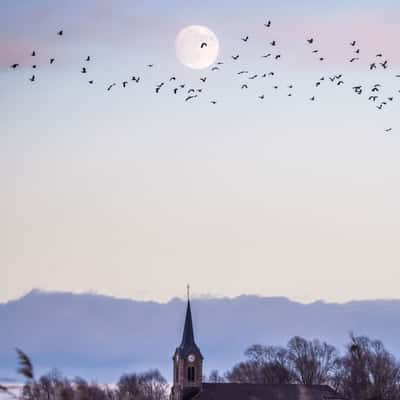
x=273, y=43
x=52, y=60
x=310, y=41
x=235, y=57
x=245, y=39
x=191, y=97
x=353, y=43
x=204, y=44
x=33, y=78
x=14, y=66
x=261, y=97
x=88, y=58
x=203, y=79
x=84, y=71
x=33, y=54
x=60, y=33
x=244, y=86
x=136, y=79
x=214, y=69
x=253, y=77
x=111, y=86
x=213, y=102
x=243, y=72
x=124, y=84
x=91, y=82
x=268, y=24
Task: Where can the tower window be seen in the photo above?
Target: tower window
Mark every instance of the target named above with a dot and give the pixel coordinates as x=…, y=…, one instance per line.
x=191, y=374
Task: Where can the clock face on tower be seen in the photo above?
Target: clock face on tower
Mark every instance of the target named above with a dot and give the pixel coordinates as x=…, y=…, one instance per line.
x=191, y=358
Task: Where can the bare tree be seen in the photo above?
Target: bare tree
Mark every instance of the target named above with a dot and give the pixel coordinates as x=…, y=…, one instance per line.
x=312, y=362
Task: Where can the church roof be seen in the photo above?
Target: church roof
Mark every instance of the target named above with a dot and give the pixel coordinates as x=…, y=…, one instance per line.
x=250, y=391
x=188, y=345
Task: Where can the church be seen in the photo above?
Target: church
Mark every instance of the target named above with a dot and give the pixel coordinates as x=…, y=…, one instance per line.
x=188, y=379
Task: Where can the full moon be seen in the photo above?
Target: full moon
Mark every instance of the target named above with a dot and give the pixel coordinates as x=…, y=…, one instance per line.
x=197, y=47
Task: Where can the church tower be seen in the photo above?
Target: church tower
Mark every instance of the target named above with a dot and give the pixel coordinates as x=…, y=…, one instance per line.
x=187, y=363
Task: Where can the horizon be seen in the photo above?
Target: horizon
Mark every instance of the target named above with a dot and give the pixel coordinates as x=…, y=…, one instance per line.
x=194, y=296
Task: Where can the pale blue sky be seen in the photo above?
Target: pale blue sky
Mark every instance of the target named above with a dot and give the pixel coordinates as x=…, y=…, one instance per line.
x=132, y=194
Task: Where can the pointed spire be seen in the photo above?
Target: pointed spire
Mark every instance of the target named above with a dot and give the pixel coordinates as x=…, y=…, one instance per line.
x=188, y=335
x=188, y=344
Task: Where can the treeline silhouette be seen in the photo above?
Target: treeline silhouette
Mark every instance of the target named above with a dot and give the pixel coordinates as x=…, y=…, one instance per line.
x=365, y=371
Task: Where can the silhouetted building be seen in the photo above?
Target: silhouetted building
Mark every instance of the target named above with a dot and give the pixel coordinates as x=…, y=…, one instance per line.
x=188, y=373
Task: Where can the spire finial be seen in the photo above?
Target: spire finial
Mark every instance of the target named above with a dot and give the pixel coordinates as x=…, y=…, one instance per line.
x=188, y=291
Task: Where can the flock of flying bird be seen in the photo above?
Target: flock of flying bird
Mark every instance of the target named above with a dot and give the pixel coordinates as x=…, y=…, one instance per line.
x=190, y=94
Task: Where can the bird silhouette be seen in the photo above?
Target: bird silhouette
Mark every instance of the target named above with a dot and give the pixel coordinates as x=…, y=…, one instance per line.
x=353, y=43
x=214, y=69
x=124, y=84
x=273, y=43
x=310, y=41
x=32, y=79
x=253, y=77
x=87, y=58
x=84, y=71
x=213, y=102
x=203, y=79
x=268, y=24
x=52, y=60
x=60, y=33
x=191, y=97
x=136, y=79
x=33, y=54
x=236, y=57
x=261, y=97
x=244, y=86
x=312, y=98
x=384, y=64
x=354, y=59
x=150, y=65
x=372, y=66
x=175, y=90
x=379, y=55
x=373, y=98
x=91, y=82
x=173, y=78
x=14, y=66
x=243, y=72
x=277, y=57
x=204, y=44
x=111, y=86
x=34, y=66
x=245, y=39
x=267, y=55
x=388, y=130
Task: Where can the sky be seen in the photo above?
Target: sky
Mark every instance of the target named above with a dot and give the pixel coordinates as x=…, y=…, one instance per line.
x=135, y=194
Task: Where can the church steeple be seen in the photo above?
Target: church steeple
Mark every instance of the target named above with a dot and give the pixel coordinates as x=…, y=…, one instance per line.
x=187, y=362
x=188, y=345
